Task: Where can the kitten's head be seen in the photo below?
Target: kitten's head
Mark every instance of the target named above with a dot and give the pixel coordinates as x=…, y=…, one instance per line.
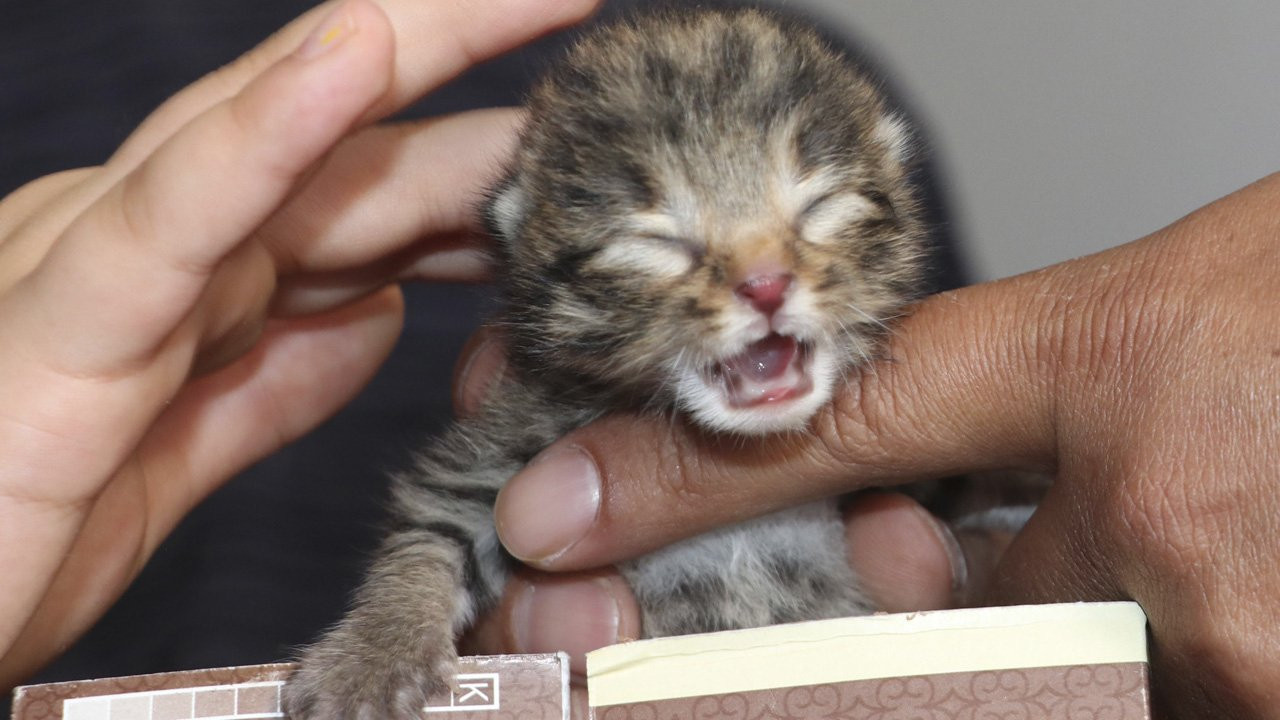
x=708, y=211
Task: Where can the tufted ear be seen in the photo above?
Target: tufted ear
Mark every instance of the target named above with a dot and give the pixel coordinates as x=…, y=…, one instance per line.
x=505, y=210
x=894, y=133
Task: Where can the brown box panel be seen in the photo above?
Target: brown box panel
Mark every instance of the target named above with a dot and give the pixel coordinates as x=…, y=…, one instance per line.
x=488, y=688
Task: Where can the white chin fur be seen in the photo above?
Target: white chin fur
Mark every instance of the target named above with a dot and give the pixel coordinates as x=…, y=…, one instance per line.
x=709, y=407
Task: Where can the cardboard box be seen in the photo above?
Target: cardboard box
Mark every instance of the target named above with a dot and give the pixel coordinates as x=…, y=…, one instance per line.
x=1042, y=662
x=488, y=687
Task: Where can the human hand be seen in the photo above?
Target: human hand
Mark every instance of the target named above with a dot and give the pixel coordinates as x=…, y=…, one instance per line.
x=1145, y=378
x=905, y=559
x=222, y=284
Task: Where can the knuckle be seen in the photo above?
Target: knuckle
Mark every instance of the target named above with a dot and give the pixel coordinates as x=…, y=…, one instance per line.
x=862, y=429
x=134, y=206
x=854, y=429
x=244, y=122
x=146, y=226
x=640, y=466
x=683, y=476
x=31, y=197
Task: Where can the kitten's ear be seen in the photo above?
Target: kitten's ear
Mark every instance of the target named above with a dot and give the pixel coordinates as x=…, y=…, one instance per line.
x=895, y=134
x=505, y=209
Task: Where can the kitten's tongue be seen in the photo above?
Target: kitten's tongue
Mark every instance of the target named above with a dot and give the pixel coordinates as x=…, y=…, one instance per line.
x=767, y=371
x=764, y=359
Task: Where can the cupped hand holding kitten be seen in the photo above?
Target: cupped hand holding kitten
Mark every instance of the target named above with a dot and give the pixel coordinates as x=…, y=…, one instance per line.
x=222, y=284
x=1146, y=378
x=906, y=558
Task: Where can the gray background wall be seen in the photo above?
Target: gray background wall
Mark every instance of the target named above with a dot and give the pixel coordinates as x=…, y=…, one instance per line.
x=1062, y=128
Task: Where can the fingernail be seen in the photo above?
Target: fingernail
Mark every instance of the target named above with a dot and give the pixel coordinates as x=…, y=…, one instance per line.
x=550, y=505
x=480, y=367
x=955, y=555
x=571, y=615
x=337, y=26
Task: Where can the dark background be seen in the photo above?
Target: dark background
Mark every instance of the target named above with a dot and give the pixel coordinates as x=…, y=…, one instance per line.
x=268, y=561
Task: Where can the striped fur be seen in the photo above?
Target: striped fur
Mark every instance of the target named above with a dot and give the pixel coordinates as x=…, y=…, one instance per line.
x=664, y=161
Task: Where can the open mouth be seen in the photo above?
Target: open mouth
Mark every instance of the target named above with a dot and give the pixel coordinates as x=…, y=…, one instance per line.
x=772, y=370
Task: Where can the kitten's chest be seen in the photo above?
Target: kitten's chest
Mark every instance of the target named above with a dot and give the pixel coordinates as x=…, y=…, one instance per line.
x=784, y=567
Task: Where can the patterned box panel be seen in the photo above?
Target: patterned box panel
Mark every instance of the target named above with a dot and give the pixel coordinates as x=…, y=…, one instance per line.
x=1114, y=692
x=507, y=687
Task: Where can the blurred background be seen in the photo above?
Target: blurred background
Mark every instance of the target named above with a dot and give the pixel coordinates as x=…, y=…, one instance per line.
x=1062, y=128
x=1053, y=130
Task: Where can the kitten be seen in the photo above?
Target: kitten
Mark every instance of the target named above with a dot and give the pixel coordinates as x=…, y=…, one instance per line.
x=708, y=215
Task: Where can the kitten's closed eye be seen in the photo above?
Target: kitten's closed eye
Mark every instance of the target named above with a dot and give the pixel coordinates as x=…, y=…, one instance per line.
x=657, y=255
x=656, y=245
x=689, y=246
x=816, y=204
x=827, y=215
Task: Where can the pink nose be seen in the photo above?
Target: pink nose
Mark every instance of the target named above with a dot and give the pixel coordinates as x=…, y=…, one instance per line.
x=766, y=293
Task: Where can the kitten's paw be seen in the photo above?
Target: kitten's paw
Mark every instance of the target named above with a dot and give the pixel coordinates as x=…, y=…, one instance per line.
x=338, y=682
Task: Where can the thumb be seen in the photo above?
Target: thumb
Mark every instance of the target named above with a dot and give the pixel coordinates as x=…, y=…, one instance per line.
x=966, y=383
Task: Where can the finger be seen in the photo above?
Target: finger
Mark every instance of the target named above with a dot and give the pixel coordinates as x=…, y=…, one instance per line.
x=392, y=203
x=30, y=218
x=435, y=41
x=462, y=261
x=302, y=371
x=905, y=558
x=455, y=258
x=967, y=384
x=20, y=205
x=135, y=262
x=389, y=185
x=575, y=614
x=981, y=550
x=579, y=703
x=1051, y=559
x=478, y=370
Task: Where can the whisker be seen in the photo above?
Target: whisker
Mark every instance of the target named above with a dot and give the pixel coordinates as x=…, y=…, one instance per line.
x=874, y=321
